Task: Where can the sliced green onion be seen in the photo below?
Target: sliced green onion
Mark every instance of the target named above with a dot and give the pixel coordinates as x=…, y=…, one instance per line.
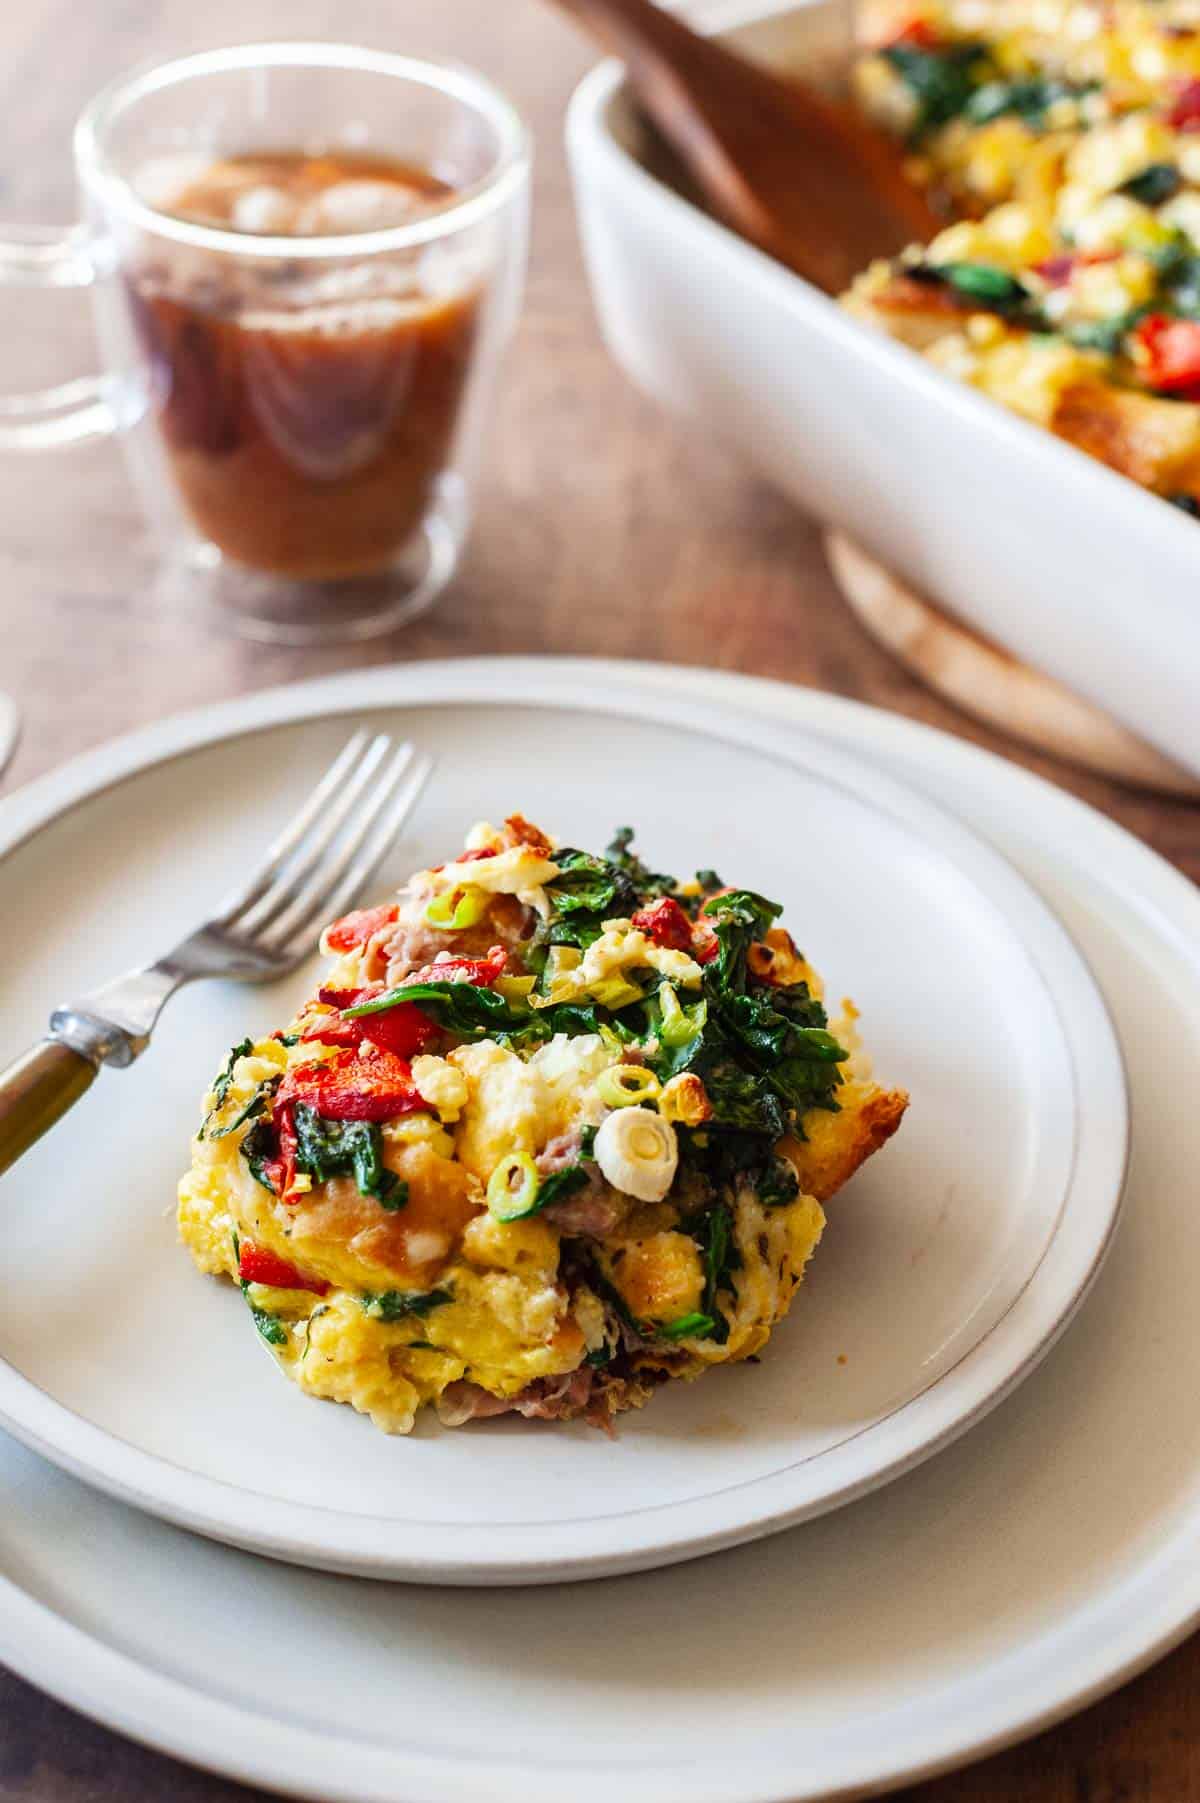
x=512, y=1191
x=623, y=1085
x=559, y=960
x=615, y=992
x=679, y=1025
x=455, y=909
x=616, y=1036
x=515, y=989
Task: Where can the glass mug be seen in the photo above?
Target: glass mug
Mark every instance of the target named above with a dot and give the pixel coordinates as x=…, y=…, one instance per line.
x=301, y=414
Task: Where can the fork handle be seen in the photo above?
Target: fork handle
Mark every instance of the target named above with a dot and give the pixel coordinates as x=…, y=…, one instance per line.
x=36, y=1091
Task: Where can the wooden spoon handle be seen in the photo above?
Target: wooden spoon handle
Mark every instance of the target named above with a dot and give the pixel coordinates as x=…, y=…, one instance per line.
x=657, y=49
x=793, y=170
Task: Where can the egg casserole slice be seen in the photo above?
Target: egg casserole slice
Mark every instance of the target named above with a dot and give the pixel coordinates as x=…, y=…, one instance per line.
x=1068, y=134
x=553, y=1129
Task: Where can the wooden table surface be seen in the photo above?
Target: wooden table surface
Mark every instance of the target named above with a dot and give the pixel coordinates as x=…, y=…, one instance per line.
x=604, y=528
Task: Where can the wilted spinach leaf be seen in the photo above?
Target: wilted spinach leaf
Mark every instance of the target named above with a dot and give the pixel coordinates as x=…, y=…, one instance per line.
x=561, y=1184
x=1179, y=277
x=647, y=883
x=986, y=286
x=326, y=1148
x=1105, y=335
x=738, y=918
x=224, y=1076
x=396, y=1305
x=777, y=1184
x=590, y=885
x=742, y=1099
x=1028, y=97
x=257, y=1105
x=259, y=1148
x=580, y=930
x=269, y=1326
x=690, y=1327
x=221, y=1083
x=941, y=80
x=731, y=1159
x=472, y=1012
x=1157, y=183
x=573, y=1177
x=721, y=1257
x=756, y=1020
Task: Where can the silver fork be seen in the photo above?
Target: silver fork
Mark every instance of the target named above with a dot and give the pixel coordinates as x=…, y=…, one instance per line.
x=311, y=873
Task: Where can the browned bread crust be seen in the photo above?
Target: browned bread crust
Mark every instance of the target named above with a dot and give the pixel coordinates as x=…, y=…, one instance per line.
x=838, y=1144
x=1155, y=442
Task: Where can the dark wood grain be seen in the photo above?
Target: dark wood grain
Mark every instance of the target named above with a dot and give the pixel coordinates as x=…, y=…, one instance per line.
x=604, y=528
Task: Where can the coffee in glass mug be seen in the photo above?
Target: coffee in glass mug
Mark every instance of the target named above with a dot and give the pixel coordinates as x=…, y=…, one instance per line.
x=305, y=260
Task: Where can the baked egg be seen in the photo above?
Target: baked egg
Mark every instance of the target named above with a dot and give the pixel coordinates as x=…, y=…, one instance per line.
x=554, y=1129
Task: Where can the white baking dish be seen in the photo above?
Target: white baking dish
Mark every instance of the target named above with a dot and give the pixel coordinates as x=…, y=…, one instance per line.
x=1070, y=565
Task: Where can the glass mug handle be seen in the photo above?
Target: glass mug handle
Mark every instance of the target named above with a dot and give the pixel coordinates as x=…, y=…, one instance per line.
x=38, y=256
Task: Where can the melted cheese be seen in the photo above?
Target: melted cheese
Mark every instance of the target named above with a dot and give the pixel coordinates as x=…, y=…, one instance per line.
x=621, y=951
x=507, y=1109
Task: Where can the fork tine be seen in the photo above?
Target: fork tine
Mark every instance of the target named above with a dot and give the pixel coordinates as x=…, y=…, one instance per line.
x=313, y=848
x=376, y=828
x=384, y=838
x=286, y=841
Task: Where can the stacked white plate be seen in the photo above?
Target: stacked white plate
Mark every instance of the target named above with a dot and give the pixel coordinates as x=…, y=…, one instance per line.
x=1009, y=950
x=8, y=728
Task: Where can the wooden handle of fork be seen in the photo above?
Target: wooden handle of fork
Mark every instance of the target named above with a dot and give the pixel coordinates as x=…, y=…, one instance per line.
x=37, y=1091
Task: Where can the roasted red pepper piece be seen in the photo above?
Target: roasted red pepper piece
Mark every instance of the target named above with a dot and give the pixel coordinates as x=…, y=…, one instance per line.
x=1172, y=352
x=1059, y=270
x=403, y=1029
x=705, y=944
x=368, y=1085
x=482, y=972
x=257, y=1265
x=281, y=1171
x=918, y=33
x=666, y=923
x=355, y=929
x=332, y=1030
x=1185, y=110
x=346, y=998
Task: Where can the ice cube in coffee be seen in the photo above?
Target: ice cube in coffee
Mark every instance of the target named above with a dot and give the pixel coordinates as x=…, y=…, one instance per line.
x=307, y=406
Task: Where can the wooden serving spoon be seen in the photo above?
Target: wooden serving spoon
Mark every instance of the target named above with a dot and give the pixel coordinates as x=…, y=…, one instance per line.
x=795, y=172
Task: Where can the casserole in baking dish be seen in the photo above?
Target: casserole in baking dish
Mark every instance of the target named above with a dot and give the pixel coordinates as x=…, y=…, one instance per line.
x=1053, y=554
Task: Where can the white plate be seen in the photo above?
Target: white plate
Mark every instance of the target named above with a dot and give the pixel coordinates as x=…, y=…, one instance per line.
x=945, y=1275
x=1017, y=1576
x=8, y=729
